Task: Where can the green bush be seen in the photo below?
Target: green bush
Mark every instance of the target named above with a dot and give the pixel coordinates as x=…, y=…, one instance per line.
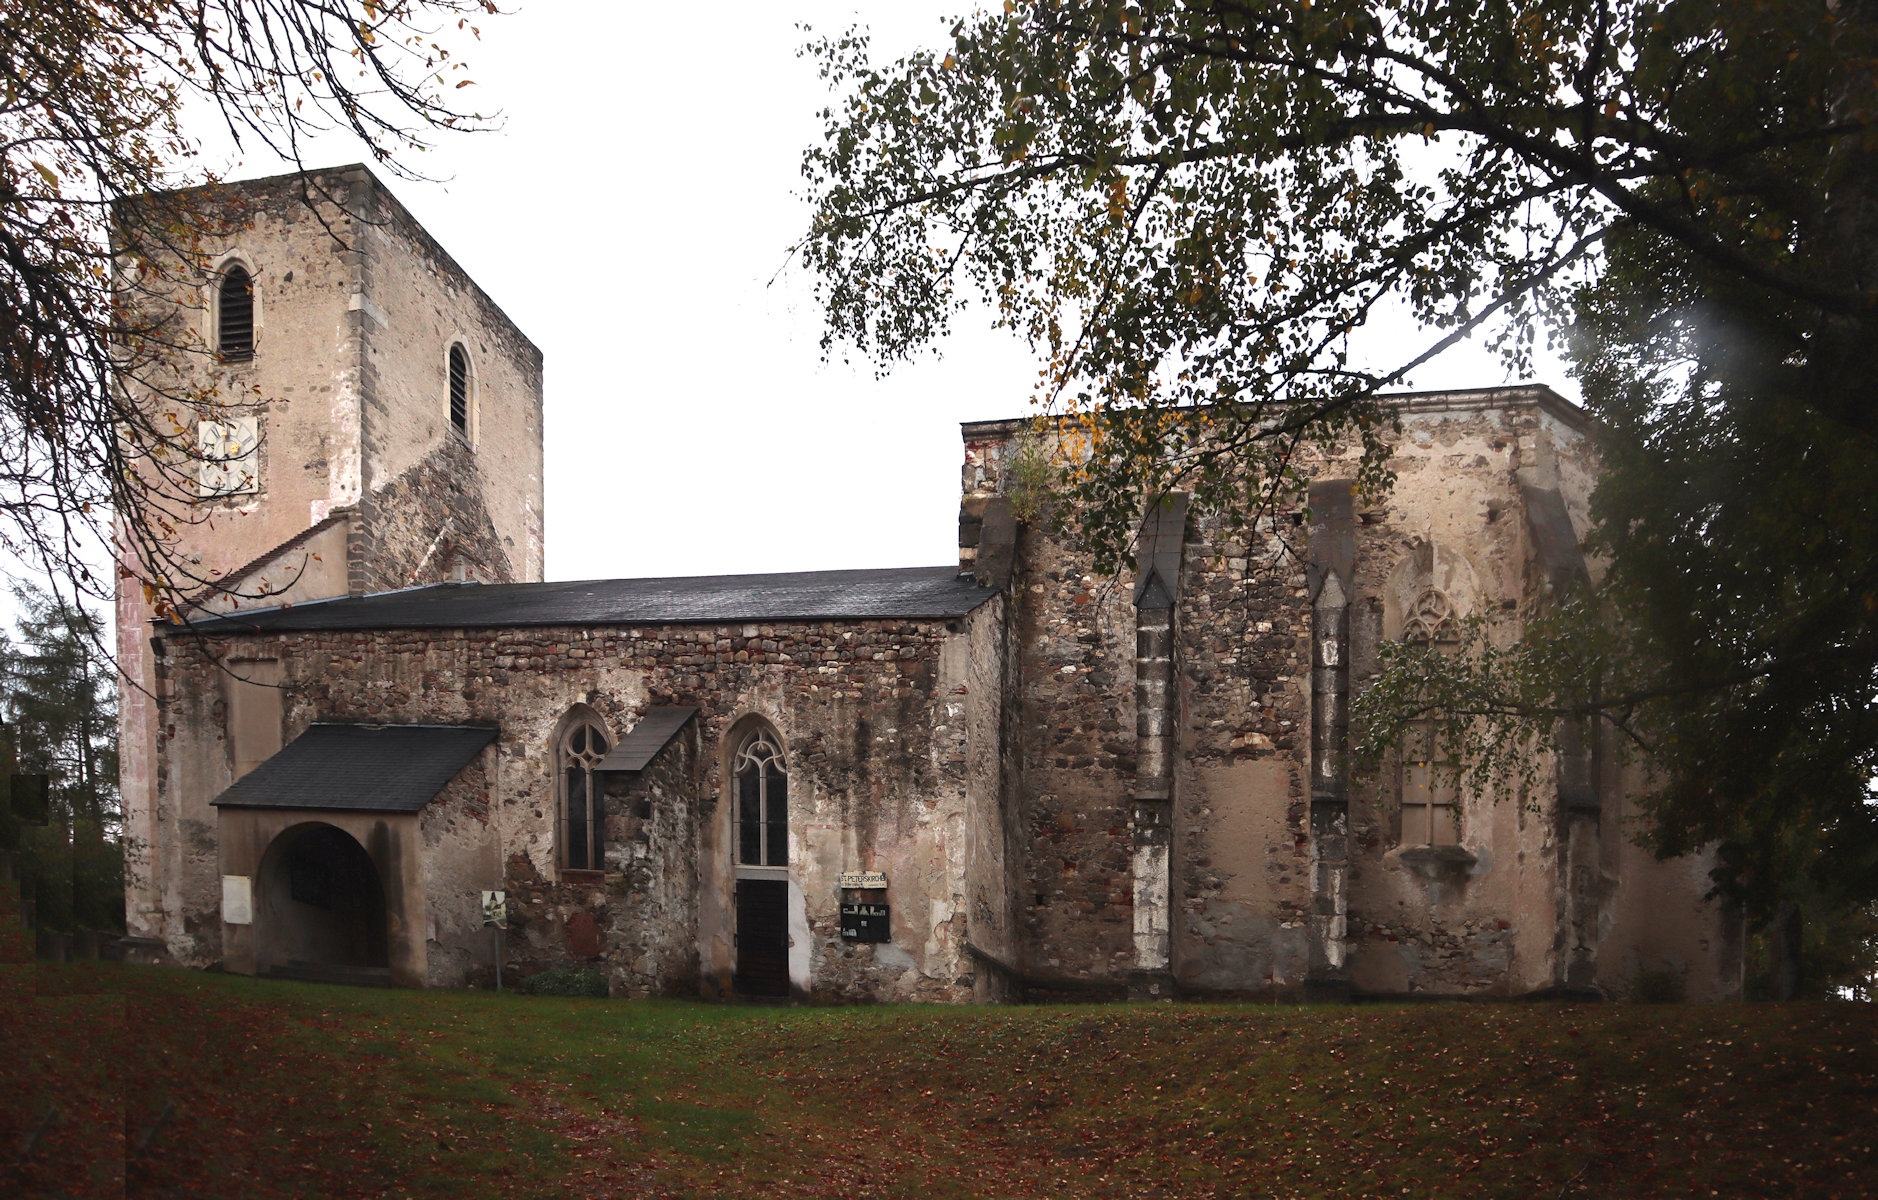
x=567, y=981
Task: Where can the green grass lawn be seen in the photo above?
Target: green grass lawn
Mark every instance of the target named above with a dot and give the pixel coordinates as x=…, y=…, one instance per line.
x=174, y=1083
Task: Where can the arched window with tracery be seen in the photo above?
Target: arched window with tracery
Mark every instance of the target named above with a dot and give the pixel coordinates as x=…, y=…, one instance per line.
x=762, y=815
x=583, y=813
x=1431, y=619
x=234, y=314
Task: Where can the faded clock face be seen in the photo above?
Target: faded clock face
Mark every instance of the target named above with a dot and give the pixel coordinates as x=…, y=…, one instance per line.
x=230, y=464
x=234, y=441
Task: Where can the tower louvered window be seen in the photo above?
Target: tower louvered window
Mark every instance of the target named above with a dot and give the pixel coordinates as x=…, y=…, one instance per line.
x=235, y=315
x=459, y=390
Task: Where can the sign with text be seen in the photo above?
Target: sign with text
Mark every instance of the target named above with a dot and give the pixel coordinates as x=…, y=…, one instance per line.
x=863, y=879
x=495, y=910
x=866, y=923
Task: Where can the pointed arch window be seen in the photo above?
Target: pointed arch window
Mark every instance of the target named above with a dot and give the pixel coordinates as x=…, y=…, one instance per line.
x=1431, y=801
x=459, y=390
x=234, y=314
x=762, y=802
x=583, y=811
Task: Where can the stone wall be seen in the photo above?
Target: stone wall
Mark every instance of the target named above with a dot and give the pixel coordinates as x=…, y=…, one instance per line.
x=303, y=386
x=1487, y=917
x=422, y=303
x=354, y=310
x=876, y=718
x=429, y=525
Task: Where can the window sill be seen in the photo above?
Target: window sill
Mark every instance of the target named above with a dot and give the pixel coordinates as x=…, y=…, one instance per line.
x=582, y=875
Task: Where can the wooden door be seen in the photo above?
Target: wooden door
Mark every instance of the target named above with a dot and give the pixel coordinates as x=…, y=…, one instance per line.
x=762, y=937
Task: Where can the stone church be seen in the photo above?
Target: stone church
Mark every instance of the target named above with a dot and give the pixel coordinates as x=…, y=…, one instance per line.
x=996, y=778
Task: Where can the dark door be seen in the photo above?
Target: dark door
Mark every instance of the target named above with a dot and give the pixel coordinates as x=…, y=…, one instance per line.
x=762, y=937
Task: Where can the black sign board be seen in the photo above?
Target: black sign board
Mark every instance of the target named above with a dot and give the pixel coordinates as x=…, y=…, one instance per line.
x=865, y=923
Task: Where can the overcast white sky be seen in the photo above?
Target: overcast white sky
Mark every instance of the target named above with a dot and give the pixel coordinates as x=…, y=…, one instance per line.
x=629, y=216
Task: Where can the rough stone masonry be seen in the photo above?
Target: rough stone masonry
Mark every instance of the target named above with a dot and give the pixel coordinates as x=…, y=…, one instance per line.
x=1051, y=782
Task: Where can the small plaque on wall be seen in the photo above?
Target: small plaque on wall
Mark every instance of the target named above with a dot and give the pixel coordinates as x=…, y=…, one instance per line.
x=866, y=923
x=873, y=880
x=237, y=900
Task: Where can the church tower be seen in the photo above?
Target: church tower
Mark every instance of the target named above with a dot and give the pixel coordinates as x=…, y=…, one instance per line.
x=383, y=431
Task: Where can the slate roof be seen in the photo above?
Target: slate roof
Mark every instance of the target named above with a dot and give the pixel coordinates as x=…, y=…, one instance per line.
x=368, y=768
x=644, y=740
x=900, y=592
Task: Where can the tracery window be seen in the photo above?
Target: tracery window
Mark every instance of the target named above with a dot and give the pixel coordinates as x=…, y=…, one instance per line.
x=234, y=314
x=762, y=802
x=1431, y=619
x=1430, y=789
x=583, y=814
x=459, y=390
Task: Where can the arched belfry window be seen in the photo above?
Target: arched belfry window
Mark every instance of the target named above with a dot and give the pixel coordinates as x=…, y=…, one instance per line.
x=234, y=314
x=762, y=802
x=583, y=813
x=459, y=390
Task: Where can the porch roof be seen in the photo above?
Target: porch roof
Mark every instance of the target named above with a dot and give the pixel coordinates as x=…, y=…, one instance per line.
x=361, y=768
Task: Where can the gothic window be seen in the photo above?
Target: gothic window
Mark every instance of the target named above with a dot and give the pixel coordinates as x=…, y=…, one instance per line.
x=234, y=315
x=1431, y=619
x=459, y=390
x=583, y=813
x=762, y=802
x=1429, y=789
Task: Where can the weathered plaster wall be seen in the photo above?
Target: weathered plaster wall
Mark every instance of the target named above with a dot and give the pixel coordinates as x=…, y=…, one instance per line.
x=310, y=566
x=1455, y=520
x=419, y=303
x=456, y=860
x=303, y=383
x=976, y=677
x=1655, y=920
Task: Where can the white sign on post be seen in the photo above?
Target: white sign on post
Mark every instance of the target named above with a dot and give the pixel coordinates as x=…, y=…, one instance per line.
x=495, y=910
x=237, y=900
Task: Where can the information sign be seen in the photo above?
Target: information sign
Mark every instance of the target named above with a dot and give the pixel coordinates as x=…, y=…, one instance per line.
x=866, y=923
x=495, y=910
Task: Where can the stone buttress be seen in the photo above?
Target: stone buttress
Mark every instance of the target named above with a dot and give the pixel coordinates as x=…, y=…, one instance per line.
x=1330, y=580
x=1157, y=592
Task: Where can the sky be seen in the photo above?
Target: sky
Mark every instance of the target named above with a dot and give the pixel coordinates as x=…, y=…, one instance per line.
x=633, y=215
